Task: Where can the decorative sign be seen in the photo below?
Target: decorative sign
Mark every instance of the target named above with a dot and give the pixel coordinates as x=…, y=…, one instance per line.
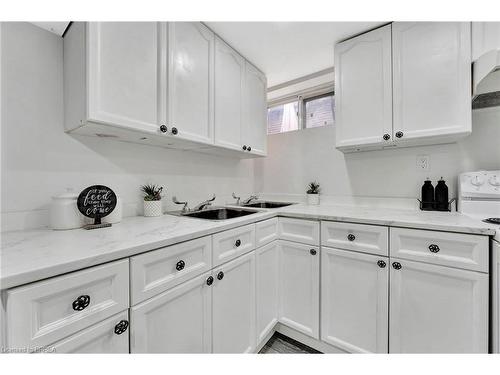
x=96, y=202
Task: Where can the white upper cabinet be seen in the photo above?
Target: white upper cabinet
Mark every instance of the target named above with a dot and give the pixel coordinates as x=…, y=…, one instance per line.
x=432, y=79
x=254, y=131
x=190, y=109
x=425, y=99
x=163, y=84
x=485, y=38
x=229, y=80
x=122, y=74
x=363, y=89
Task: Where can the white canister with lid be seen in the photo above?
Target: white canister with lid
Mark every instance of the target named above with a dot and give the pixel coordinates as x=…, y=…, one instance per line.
x=64, y=212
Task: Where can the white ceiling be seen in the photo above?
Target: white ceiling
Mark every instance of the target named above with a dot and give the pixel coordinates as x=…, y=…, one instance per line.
x=288, y=50
x=55, y=27
x=282, y=50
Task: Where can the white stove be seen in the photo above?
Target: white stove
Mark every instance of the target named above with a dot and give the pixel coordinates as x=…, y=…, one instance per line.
x=479, y=197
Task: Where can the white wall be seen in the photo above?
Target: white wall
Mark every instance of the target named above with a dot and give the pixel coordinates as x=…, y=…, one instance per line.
x=39, y=160
x=298, y=157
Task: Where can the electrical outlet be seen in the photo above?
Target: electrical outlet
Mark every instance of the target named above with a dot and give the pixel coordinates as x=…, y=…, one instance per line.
x=423, y=163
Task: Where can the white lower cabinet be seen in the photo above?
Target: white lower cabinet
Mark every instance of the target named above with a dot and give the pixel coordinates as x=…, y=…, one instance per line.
x=233, y=299
x=267, y=266
x=176, y=321
x=354, y=300
x=109, y=336
x=436, y=309
x=299, y=287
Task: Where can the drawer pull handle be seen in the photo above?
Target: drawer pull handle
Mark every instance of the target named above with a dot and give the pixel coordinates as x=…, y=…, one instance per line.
x=434, y=248
x=81, y=302
x=210, y=280
x=381, y=264
x=220, y=275
x=237, y=243
x=396, y=265
x=180, y=265
x=121, y=327
x=351, y=237
x=312, y=251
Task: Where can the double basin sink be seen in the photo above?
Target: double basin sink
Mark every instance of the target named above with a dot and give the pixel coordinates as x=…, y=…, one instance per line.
x=223, y=213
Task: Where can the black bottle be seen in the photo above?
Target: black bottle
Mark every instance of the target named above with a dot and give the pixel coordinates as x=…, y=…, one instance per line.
x=441, y=195
x=427, y=195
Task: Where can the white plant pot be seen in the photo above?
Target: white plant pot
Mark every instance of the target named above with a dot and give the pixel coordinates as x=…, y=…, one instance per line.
x=152, y=208
x=313, y=199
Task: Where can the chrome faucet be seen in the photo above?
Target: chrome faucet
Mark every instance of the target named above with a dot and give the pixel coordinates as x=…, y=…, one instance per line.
x=237, y=199
x=204, y=204
x=184, y=208
x=249, y=199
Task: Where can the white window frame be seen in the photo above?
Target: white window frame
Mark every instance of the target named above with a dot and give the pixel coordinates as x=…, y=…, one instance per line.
x=301, y=97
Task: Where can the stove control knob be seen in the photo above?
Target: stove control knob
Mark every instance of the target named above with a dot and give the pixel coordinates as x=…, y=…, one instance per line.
x=495, y=180
x=477, y=180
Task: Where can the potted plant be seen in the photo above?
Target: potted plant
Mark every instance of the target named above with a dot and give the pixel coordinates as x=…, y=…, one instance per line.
x=152, y=200
x=313, y=193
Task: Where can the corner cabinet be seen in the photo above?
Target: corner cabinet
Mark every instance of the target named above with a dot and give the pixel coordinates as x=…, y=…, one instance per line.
x=163, y=84
x=404, y=84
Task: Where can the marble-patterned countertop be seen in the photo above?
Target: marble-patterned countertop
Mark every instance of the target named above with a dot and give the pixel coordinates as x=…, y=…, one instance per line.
x=32, y=255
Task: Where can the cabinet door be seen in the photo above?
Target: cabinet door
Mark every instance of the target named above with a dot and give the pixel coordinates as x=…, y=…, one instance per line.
x=176, y=321
x=354, y=301
x=190, y=95
x=229, y=78
x=432, y=79
x=123, y=74
x=109, y=336
x=254, y=133
x=299, y=287
x=363, y=91
x=267, y=288
x=436, y=309
x=233, y=298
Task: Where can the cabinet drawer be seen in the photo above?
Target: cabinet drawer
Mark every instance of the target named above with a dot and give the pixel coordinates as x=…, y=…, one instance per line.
x=372, y=239
x=47, y=311
x=298, y=230
x=266, y=231
x=448, y=249
x=232, y=243
x=159, y=270
x=101, y=338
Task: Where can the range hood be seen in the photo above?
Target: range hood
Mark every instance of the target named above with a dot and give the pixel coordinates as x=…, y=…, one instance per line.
x=486, y=80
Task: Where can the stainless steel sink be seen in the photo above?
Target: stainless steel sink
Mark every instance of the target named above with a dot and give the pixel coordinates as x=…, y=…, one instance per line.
x=268, y=204
x=220, y=213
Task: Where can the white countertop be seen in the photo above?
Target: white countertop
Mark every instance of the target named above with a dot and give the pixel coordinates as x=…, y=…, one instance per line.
x=32, y=255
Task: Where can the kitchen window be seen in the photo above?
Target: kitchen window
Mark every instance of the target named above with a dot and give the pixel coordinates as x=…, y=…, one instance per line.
x=301, y=112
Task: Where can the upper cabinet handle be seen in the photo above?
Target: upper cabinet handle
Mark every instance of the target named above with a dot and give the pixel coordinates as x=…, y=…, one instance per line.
x=351, y=237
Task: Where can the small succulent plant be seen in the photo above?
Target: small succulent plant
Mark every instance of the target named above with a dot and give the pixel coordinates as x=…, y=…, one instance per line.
x=313, y=188
x=151, y=192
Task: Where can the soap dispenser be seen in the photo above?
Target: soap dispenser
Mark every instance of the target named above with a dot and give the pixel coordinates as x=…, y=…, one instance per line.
x=441, y=195
x=427, y=195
